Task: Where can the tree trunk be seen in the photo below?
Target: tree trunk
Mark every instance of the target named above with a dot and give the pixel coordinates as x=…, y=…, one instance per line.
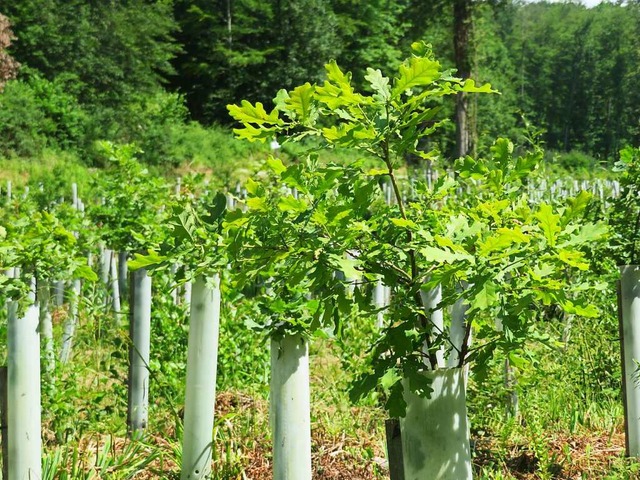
x=462, y=29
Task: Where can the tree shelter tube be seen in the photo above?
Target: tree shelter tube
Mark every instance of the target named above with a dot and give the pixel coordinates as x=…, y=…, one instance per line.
x=290, y=408
x=23, y=394
x=629, y=314
x=202, y=361
x=435, y=430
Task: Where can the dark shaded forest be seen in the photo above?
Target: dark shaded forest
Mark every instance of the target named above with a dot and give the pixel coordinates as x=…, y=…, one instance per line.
x=160, y=73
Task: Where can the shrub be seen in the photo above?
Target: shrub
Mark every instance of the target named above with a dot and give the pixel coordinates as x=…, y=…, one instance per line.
x=22, y=121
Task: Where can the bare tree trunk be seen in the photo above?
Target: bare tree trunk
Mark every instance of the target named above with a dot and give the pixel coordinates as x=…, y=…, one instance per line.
x=8, y=66
x=462, y=30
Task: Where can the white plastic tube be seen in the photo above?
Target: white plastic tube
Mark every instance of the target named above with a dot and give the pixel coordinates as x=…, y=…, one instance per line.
x=105, y=265
x=71, y=322
x=115, y=287
x=435, y=431
x=140, y=335
x=457, y=332
x=379, y=302
x=202, y=360
x=122, y=271
x=629, y=303
x=74, y=195
x=58, y=289
x=187, y=293
x=290, y=408
x=430, y=301
x=46, y=330
x=23, y=394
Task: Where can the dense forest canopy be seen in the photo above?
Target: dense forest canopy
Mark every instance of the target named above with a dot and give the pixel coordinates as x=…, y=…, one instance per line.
x=136, y=70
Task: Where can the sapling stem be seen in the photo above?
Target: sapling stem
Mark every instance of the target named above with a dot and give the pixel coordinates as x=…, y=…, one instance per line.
x=202, y=360
x=430, y=301
x=460, y=335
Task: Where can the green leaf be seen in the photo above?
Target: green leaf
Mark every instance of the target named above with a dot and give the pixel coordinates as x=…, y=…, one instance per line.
x=292, y=204
x=404, y=223
x=588, y=233
x=377, y=171
x=438, y=255
x=418, y=71
x=216, y=210
x=255, y=114
x=85, y=272
x=576, y=206
x=574, y=258
x=300, y=102
x=257, y=203
x=252, y=186
x=486, y=297
x=389, y=379
x=502, y=239
x=419, y=383
x=469, y=85
x=346, y=266
x=337, y=90
x=502, y=150
x=396, y=404
x=276, y=165
x=379, y=84
x=590, y=311
x=253, y=134
x=151, y=259
x=549, y=223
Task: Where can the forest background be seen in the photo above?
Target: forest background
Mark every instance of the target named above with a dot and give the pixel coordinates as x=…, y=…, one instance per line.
x=160, y=73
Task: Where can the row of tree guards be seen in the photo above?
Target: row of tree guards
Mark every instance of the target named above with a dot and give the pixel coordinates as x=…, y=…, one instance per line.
x=443, y=453
x=559, y=188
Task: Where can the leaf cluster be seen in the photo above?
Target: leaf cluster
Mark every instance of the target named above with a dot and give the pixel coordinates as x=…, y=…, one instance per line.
x=492, y=251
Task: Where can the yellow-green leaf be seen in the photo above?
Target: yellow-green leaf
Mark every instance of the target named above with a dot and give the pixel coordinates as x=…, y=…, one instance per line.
x=249, y=113
x=418, y=71
x=276, y=165
x=502, y=239
x=469, y=85
x=574, y=258
x=379, y=84
x=549, y=223
x=299, y=101
x=257, y=203
x=439, y=255
x=292, y=204
x=404, y=223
